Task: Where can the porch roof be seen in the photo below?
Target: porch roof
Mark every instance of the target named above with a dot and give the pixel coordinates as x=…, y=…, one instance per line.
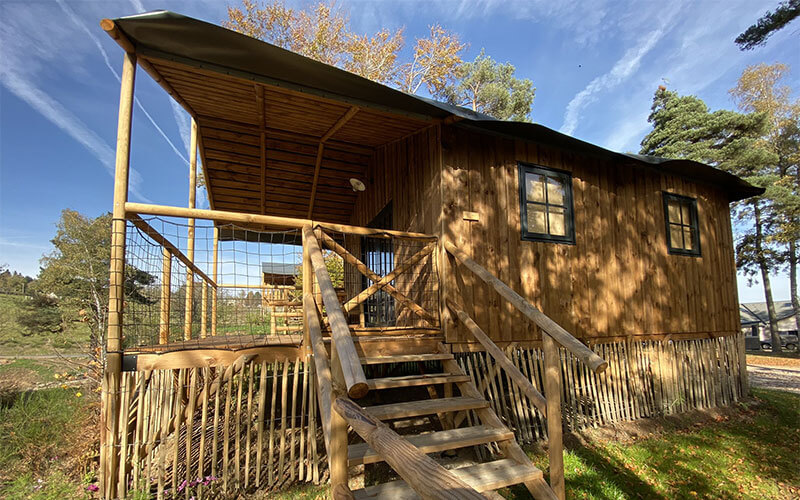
x=282, y=134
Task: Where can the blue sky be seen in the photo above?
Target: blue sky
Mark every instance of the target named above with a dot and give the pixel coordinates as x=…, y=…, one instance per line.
x=595, y=65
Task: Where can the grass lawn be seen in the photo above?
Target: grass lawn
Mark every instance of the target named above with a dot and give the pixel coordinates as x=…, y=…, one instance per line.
x=751, y=455
x=48, y=441
x=787, y=359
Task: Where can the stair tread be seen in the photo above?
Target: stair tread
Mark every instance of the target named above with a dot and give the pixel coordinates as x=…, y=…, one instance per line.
x=414, y=380
x=425, y=407
x=361, y=453
x=404, y=358
x=481, y=477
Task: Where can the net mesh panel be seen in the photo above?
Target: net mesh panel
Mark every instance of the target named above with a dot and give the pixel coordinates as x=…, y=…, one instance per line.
x=258, y=297
x=256, y=294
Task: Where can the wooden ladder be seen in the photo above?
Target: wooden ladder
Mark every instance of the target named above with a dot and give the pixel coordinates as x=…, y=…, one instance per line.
x=485, y=428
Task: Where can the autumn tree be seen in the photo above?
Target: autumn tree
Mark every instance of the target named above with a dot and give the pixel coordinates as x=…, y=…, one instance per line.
x=769, y=23
x=490, y=87
x=683, y=127
x=435, y=63
x=322, y=32
x=760, y=90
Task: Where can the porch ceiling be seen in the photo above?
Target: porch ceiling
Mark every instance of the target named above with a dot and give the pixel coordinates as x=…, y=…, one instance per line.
x=259, y=143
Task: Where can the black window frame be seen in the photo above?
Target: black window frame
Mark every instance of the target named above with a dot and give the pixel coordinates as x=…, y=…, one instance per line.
x=694, y=224
x=569, y=219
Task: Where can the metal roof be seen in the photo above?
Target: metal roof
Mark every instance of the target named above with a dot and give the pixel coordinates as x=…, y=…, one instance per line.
x=281, y=268
x=756, y=312
x=185, y=40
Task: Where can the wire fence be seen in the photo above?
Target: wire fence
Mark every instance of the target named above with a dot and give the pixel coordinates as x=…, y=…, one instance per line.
x=229, y=286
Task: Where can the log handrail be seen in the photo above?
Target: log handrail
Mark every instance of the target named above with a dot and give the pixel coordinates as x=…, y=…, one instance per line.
x=499, y=356
x=164, y=242
x=422, y=473
x=353, y=374
x=132, y=208
x=553, y=329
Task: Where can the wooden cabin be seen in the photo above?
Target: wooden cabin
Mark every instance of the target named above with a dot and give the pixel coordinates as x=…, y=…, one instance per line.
x=505, y=270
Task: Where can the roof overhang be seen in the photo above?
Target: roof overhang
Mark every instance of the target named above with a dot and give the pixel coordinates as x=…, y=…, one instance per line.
x=282, y=134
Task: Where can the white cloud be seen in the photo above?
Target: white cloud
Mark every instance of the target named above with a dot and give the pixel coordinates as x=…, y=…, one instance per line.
x=621, y=71
x=74, y=18
x=29, y=48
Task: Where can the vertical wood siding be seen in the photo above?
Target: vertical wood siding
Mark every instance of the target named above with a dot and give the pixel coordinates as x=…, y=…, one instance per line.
x=617, y=279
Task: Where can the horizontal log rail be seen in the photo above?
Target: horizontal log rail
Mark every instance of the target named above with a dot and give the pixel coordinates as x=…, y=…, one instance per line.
x=553, y=329
x=353, y=374
x=331, y=244
x=164, y=242
x=499, y=356
x=267, y=220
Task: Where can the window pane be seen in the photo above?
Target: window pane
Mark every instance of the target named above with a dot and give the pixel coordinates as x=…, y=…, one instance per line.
x=536, y=219
x=534, y=187
x=675, y=236
x=687, y=238
x=555, y=191
x=674, y=211
x=685, y=210
x=558, y=226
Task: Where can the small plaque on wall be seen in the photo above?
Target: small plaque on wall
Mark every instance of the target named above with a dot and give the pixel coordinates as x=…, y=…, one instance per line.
x=472, y=216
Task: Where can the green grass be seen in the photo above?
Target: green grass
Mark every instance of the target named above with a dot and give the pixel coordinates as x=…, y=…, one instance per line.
x=16, y=339
x=753, y=455
x=43, y=436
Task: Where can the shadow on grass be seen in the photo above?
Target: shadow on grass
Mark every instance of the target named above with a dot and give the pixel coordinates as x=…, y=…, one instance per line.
x=751, y=455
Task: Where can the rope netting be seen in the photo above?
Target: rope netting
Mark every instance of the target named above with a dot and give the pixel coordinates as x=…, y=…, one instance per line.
x=248, y=290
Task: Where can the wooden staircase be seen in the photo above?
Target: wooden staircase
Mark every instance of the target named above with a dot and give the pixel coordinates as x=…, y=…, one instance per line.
x=341, y=376
x=514, y=468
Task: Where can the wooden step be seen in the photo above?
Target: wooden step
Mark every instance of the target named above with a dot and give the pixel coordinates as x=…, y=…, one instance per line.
x=432, y=442
x=404, y=358
x=415, y=380
x=425, y=407
x=482, y=477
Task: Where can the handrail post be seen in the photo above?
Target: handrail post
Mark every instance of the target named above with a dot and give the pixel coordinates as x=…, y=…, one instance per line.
x=353, y=375
x=166, y=295
x=338, y=438
x=215, y=258
x=187, y=323
x=552, y=385
x=308, y=288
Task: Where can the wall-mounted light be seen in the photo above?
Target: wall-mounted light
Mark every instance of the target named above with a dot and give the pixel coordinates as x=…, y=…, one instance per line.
x=357, y=185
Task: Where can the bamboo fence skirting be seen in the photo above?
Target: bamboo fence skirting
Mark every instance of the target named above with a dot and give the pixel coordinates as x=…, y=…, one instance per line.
x=206, y=432
x=643, y=379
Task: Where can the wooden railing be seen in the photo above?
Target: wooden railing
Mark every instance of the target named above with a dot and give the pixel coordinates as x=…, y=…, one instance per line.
x=423, y=474
x=354, y=379
x=552, y=335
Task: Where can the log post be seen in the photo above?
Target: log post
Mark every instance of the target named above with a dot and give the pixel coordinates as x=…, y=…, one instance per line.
x=204, y=311
x=166, y=296
x=552, y=386
x=308, y=288
x=338, y=426
x=215, y=259
x=187, y=323
x=109, y=460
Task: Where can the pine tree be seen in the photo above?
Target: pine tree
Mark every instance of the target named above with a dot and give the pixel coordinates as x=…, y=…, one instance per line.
x=683, y=127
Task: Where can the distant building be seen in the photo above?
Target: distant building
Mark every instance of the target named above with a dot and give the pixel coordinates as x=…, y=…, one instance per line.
x=279, y=273
x=755, y=319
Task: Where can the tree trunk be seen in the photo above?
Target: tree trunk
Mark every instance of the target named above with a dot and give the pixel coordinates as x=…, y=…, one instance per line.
x=793, y=283
x=762, y=264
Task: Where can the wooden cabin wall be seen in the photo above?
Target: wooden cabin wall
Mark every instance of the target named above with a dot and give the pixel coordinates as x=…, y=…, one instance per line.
x=617, y=279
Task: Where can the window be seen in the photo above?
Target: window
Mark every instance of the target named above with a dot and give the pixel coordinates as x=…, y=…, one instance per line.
x=683, y=235
x=546, y=204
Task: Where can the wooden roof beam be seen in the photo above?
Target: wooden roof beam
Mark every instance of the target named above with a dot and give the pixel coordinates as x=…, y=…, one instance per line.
x=318, y=164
